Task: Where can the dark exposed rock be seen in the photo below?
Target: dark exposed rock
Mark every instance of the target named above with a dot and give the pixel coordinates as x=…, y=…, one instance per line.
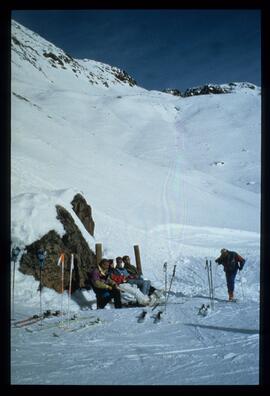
x=171, y=91
x=74, y=239
x=206, y=90
x=15, y=40
x=71, y=242
x=123, y=76
x=55, y=58
x=84, y=212
x=203, y=90
x=51, y=274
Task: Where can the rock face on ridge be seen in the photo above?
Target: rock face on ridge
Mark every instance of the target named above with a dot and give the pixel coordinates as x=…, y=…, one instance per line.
x=71, y=242
x=208, y=89
x=84, y=212
x=45, y=57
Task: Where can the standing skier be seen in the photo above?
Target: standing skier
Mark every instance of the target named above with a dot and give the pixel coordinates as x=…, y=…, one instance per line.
x=232, y=262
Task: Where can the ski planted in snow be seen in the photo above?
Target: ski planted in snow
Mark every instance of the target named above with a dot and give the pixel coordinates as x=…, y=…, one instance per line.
x=203, y=310
x=142, y=316
x=158, y=317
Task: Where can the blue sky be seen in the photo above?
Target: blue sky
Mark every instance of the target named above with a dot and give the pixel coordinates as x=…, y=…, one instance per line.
x=159, y=48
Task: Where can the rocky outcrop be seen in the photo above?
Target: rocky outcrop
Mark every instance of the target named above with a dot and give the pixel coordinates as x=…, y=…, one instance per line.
x=172, y=91
x=43, y=55
x=209, y=89
x=123, y=76
x=202, y=90
x=84, y=212
x=71, y=242
x=205, y=90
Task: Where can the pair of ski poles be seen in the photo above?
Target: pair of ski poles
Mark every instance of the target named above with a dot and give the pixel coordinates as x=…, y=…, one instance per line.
x=208, y=267
x=61, y=262
x=167, y=293
x=41, y=255
x=41, y=258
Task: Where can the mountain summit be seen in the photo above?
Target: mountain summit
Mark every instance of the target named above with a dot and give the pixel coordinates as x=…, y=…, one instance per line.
x=44, y=56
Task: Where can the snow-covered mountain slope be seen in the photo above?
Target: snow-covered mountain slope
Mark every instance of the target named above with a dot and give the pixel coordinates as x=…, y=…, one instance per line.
x=178, y=176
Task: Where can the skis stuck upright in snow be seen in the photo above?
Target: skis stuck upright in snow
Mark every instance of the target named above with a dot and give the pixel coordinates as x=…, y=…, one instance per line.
x=203, y=310
x=157, y=317
x=142, y=316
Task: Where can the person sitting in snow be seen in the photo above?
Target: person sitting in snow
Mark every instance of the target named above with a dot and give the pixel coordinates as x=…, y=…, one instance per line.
x=144, y=285
x=232, y=262
x=121, y=276
x=104, y=287
x=135, y=278
x=111, y=265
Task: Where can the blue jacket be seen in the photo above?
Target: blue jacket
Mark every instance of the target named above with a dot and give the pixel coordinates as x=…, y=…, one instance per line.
x=120, y=271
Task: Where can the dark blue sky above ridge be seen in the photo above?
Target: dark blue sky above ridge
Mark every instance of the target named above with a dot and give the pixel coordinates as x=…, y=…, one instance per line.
x=159, y=48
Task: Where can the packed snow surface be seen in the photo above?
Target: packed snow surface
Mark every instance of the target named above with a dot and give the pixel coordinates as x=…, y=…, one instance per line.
x=180, y=177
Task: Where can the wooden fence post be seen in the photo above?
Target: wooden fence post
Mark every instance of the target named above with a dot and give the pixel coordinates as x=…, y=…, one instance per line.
x=138, y=259
x=98, y=252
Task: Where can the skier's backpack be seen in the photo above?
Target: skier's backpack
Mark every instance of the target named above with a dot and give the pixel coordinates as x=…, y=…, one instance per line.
x=231, y=263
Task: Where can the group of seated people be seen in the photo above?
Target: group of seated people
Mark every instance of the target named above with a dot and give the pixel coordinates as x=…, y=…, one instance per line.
x=109, y=281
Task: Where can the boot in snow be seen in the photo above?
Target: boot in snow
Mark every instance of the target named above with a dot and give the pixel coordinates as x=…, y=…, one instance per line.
x=231, y=297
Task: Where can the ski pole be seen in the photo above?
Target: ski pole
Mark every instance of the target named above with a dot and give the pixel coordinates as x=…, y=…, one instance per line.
x=240, y=276
x=165, y=274
x=40, y=287
x=13, y=286
x=70, y=280
x=15, y=253
x=211, y=283
x=41, y=258
x=62, y=278
x=208, y=277
x=61, y=262
x=173, y=274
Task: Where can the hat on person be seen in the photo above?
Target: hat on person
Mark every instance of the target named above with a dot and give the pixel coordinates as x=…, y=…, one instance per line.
x=223, y=251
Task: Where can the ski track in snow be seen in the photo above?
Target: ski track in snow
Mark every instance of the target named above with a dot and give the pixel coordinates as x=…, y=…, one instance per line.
x=201, y=345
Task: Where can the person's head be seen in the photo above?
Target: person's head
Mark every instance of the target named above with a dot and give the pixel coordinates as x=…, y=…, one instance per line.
x=224, y=252
x=104, y=264
x=126, y=259
x=111, y=264
x=119, y=262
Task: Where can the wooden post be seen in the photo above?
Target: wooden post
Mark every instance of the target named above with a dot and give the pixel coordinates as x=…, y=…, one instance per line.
x=138, y=259
x=98, y=252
